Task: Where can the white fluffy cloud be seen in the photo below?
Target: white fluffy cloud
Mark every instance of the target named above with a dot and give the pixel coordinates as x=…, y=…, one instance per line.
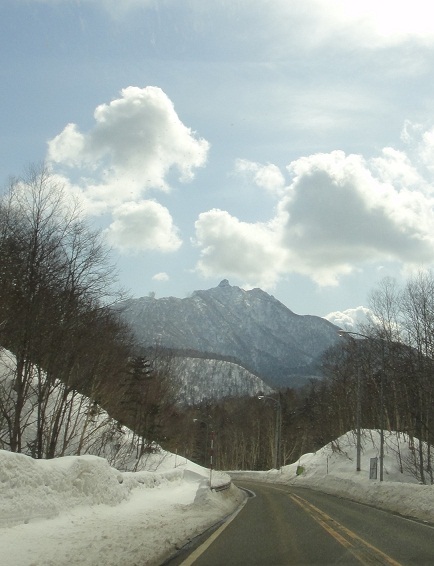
x=351, y=319
x=395, y=167
x=141, y=226
x=268, y=177
x=135, y=141
x=338, y=213
x=162, y=276
x=231, y=247
x=420, y=142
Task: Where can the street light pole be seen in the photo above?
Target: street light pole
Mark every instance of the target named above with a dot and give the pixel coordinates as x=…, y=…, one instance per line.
x=278, y=429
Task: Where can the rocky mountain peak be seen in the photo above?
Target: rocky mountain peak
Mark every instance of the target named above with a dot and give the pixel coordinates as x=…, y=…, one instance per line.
x=252, y=327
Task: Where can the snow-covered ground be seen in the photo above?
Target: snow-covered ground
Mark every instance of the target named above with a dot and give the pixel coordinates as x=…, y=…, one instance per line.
x=79, y=510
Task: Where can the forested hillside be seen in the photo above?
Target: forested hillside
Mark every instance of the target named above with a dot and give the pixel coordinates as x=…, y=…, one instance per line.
x=56, y=285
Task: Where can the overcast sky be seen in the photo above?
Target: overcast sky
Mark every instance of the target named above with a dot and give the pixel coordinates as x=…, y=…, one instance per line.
x=287, y=145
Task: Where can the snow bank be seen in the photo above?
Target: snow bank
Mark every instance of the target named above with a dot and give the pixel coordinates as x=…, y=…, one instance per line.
x=92, y=509
x=78, y=510
x=44, y=488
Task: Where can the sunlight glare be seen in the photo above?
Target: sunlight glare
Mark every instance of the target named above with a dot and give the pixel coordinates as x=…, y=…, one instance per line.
x=393, y=17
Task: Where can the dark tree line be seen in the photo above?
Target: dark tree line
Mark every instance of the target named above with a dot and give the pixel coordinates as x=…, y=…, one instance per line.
x=244, y=431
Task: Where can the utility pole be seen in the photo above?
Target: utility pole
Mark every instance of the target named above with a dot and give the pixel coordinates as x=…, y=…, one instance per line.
x=277, y=429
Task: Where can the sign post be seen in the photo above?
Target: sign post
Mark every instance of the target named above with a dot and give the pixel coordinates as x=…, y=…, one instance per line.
x=373, y=468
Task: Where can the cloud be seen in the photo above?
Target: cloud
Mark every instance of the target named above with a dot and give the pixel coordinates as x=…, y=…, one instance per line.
x=161, y=277
x=231, y=247
x=314, y=23
x=420, y=142
x=338, y=213
x=396, y=168
x=268, y=177
x=351, y=319
x=135, y=142
x=143, y=226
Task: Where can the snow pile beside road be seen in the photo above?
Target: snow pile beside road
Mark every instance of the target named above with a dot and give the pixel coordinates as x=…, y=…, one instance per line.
x=41, y=488
x=78, y=510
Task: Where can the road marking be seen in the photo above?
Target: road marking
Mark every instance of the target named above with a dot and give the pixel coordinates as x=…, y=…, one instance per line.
x=365, y=552
x=203, y=547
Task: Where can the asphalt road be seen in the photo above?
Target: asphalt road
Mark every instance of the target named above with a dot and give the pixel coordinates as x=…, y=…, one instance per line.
x=283, y=526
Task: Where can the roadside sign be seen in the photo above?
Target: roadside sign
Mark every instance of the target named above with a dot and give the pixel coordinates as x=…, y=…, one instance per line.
x=373, y=468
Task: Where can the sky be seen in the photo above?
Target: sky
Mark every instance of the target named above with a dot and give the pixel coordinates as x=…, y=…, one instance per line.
x=79, y=510
x=284, y=145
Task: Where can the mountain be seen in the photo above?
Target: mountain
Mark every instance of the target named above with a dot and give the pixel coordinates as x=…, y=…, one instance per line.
x=251, y=327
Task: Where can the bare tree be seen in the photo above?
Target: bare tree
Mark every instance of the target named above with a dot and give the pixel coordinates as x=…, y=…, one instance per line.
x=54, y=283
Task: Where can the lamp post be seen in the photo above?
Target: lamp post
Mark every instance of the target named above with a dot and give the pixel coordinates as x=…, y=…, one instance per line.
x=278, y=428
x=211, y=445
x=350, y=334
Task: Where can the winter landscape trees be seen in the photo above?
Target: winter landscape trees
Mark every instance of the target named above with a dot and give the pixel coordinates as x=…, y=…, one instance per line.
x=387, y=369
x=74, y=358
x=56, y=286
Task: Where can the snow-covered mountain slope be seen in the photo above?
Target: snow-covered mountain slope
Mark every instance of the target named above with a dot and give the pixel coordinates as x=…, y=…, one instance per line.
x=252, y=327
x=200, y=379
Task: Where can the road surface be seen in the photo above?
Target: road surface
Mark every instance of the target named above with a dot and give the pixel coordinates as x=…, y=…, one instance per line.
x=282, y=525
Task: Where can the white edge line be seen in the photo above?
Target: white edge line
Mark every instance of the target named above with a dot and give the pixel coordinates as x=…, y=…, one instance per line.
x=203, y=547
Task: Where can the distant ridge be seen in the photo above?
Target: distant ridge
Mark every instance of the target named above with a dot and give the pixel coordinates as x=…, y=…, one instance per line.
x=250, y=327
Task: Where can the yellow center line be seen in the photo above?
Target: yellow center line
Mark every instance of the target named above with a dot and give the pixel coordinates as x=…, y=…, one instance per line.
x=365, y=552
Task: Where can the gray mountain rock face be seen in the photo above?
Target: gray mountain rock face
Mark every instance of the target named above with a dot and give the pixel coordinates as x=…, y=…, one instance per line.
x=251, y=327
